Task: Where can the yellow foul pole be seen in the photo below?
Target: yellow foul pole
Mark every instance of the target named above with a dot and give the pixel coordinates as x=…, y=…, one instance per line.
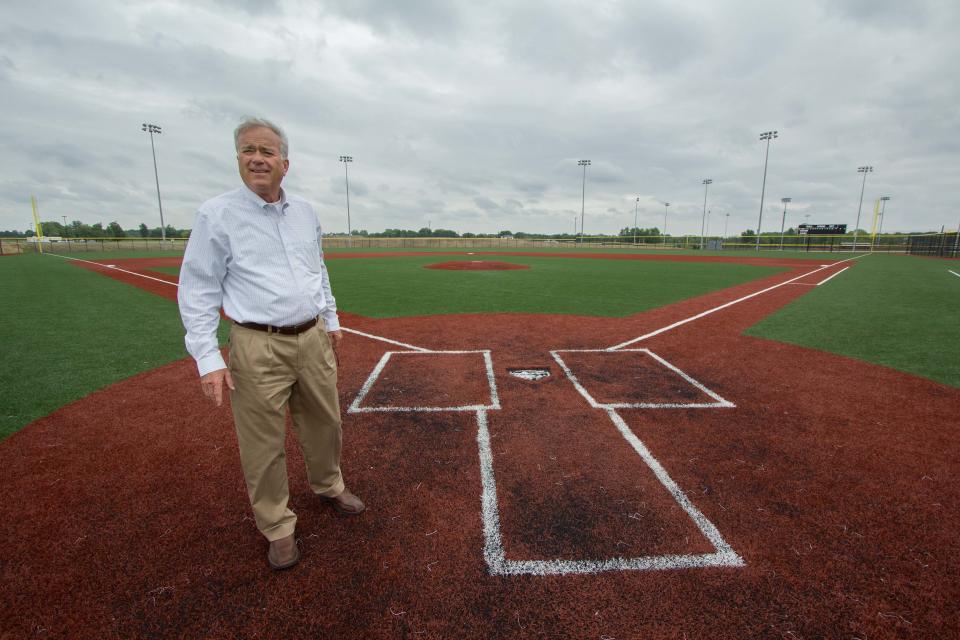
x=36, y=222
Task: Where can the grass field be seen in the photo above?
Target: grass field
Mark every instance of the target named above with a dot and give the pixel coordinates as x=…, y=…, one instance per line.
x=897, y=311
x=69, y=331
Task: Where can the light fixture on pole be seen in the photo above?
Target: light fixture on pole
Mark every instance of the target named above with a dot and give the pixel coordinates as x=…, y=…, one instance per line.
x=155, y=129
x=636, y=210
x=583, y=195
x=784, y=219
x=346, y=176
x=703, y=219
x=666, y=207
x=768, y=136
x=883, y=209
x=856, y=229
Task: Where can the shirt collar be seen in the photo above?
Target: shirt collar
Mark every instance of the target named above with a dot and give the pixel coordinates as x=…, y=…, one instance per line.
x=262, y=204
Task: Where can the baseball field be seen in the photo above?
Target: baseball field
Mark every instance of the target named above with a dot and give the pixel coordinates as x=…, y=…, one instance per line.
x=602, y=444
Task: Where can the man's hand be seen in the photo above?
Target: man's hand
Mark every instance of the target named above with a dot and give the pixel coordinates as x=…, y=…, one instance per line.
x=335, y=338
x=212, y=384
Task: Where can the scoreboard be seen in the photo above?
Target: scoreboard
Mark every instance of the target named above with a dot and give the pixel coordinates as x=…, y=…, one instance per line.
x=822, y=229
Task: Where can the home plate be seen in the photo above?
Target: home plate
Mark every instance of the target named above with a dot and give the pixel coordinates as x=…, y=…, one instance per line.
x=529, y=374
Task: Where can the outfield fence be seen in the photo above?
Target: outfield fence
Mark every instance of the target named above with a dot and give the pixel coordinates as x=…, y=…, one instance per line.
x=932, y=244
x=10, y=246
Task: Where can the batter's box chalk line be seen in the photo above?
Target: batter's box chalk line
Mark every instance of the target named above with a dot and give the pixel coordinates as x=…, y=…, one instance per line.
x=494, y=402
x=719, y=403
x=493, y=551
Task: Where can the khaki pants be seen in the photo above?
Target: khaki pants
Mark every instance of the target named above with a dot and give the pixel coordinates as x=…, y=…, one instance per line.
x=271, y=372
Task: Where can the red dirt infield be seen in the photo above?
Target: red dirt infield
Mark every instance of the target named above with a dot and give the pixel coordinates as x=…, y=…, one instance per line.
x=477, y=265
x=833, y=480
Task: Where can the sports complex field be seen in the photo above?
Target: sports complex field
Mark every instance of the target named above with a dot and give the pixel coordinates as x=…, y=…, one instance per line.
x=590, y=444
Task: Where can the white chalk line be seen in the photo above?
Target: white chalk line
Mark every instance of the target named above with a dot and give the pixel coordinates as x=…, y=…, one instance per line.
x=114, y=268
x=177, y=284
x=493, y=551
x=720, y=402
x=830, y=277
x=387, y=340
x=381, y=365
x=954, y=273
x=725, y=305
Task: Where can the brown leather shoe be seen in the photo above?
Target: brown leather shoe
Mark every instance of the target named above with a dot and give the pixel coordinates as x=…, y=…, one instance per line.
x=347, y=503
x=283, y=553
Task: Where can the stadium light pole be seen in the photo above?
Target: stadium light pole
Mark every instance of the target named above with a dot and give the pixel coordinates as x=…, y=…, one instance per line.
x=784, y=219
x=864, y=170
x=346, y=176
x=703, y=220
x=883, y=210
x=636, y=210
x=65, y=234
x=155, y=129
x=726, y=223
x=583, y=194
x=768, y=136
x=666, y=207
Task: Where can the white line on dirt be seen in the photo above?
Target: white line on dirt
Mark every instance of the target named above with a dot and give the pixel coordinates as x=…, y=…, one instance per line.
x=115, y=268
x=720, y=403
x=725, y=305
x=382, y=339
x=828, y=278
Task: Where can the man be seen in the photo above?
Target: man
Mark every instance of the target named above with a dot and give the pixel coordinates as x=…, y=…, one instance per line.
x=255, y=252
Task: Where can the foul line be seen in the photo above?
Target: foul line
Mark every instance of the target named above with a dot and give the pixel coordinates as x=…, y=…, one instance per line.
x=828, y=278
x=115, y=268
x=954, y=273
x=177, y=284
x=387, y=340
x=728, y=304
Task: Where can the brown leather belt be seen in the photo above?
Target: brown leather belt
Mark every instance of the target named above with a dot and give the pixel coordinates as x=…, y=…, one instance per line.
x=287, y=331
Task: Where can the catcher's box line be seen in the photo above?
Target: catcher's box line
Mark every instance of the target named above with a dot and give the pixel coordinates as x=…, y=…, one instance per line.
x=727, y=304
x=177, y=284
x=493, y=551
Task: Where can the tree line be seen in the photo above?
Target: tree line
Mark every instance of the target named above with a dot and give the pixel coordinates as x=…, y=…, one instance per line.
x=78, y=229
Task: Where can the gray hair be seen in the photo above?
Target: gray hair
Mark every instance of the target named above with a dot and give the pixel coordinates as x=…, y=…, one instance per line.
x=252, y=123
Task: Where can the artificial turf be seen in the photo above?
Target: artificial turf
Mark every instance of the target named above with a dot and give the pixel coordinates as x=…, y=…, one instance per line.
x=68, y=332
x=401, y=286
x=898, y=311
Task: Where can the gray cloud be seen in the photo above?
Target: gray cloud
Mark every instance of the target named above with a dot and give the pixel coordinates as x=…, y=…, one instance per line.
x=474, y=115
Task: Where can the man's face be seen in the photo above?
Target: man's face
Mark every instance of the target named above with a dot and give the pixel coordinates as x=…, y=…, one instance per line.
x=261, y=167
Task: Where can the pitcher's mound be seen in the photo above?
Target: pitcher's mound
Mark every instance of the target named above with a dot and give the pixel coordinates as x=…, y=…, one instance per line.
x=477, y=265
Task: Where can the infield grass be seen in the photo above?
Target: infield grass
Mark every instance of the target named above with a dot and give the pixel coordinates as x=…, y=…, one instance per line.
x=898, y=311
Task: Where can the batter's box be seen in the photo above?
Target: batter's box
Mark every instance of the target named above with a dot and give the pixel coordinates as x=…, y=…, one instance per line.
x=429, y=381
x=634, y=379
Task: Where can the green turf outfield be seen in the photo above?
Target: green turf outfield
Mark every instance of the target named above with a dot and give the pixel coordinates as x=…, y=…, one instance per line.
x=401, y=286
x=899, y=311
x=68, y=332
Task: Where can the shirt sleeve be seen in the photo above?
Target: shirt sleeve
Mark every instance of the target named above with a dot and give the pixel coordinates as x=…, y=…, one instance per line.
x=329, y=311
x=200, y=295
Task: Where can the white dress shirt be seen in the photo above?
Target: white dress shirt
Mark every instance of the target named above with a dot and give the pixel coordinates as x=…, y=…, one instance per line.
x=262, y=262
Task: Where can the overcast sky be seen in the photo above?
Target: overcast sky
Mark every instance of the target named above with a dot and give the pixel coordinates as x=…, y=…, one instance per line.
x=472, y=115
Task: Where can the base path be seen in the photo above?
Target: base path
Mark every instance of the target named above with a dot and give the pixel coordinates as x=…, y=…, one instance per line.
x=833, y=482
